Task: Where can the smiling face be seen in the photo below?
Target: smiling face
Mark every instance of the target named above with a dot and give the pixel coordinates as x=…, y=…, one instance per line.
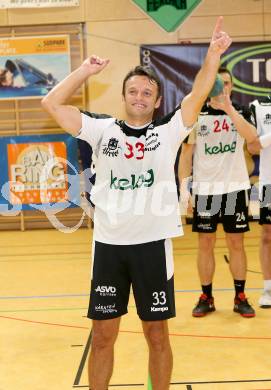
x=141, y=99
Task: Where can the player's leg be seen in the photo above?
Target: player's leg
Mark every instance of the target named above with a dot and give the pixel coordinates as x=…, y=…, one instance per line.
x=237, y=256
x=265, y=257
x=235, y=222
x=101, y=358
x=160, y=354
x=110, y=288
x=265, y=246
x=152, y=274
x=205, y=219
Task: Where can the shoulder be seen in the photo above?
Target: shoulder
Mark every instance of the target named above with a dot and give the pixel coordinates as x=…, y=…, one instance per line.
x=167, y=118
x=95, y=116
x=245, y=111
x=99, y=121
x=209, y=110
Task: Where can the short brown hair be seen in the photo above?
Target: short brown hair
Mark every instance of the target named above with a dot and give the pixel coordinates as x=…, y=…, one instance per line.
x=143, y=71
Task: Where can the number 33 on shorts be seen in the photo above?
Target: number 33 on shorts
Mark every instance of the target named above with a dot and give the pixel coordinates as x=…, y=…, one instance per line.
x=159, y=298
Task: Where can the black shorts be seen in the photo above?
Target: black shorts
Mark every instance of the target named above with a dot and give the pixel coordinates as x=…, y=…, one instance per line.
x=265, y=206
x=231, y=209
x=147, y=267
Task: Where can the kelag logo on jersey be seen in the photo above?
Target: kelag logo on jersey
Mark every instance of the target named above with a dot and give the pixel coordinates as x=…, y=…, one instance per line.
x=251, y=69
x=146, y=179
x=220, y=149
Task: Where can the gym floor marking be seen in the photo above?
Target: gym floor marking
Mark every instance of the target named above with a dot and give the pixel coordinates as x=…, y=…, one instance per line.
x=188, y=384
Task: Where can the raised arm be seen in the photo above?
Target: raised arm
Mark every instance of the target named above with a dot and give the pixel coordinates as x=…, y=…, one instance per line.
x=184, y=174
x=193, y=102
x=69, y=117
x=244, y=128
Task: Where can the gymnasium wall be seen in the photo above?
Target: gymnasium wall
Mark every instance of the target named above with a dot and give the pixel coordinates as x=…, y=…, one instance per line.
x=116, y=28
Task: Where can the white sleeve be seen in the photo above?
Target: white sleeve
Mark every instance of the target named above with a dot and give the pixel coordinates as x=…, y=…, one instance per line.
x=92, y=129
x=178, y=131
x=265, y=140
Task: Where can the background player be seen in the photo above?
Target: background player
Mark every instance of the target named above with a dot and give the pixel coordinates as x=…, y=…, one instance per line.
x=220, y=184
x=261, y=110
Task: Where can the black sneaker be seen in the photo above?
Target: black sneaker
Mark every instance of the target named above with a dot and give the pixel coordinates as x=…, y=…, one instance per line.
x=205, y=305
x=242, y=306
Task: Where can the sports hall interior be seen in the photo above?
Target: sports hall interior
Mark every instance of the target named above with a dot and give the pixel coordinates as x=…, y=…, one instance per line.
x=45, y=271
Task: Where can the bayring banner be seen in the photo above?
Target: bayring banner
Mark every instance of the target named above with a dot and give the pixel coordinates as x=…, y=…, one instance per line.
x=38, y=172
x=31, y=66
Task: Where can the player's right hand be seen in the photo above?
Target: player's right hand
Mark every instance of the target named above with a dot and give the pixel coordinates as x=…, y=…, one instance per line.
x=95, y=64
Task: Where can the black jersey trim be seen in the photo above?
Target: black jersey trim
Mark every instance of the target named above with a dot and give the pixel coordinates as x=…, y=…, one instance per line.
x=253, y=113
x=244, y=111
x=96, y=116
x=166, y=118
x=129, y=131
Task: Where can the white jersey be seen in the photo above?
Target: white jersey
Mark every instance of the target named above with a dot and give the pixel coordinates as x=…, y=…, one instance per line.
x=219, y=165
x=135, y=193
x=261, y=115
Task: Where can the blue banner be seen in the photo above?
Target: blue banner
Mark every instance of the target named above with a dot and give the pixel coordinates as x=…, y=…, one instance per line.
x=38, y=172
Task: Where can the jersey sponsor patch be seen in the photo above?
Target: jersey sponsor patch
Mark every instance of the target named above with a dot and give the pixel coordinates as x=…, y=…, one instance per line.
x=145, y=179
x=267, y=119
x=111, y=149
x=220, y=148
x=203, y=131
x=152, y=142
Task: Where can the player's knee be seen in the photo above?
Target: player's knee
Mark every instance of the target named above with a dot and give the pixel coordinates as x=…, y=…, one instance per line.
x=235, y=242
x=102, y=339
x=206, y=241
x=266, y=235
x=157, y=336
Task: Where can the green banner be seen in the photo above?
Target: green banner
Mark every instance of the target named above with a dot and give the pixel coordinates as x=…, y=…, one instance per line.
x=169, y=14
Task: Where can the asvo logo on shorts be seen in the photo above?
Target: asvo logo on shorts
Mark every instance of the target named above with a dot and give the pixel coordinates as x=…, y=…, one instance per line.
x=106, y=291
x=220, y=148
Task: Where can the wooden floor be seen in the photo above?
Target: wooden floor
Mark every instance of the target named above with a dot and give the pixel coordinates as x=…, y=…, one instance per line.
x=45, y=334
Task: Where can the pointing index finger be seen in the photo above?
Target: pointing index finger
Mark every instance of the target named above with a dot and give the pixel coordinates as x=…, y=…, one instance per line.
x=218, y=26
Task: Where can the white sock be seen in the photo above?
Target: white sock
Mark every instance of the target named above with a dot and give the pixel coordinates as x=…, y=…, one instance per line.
x=267, y=285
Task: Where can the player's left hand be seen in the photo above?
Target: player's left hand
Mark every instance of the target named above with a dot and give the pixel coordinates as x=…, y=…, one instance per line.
x=220, y=40
x=222, y=102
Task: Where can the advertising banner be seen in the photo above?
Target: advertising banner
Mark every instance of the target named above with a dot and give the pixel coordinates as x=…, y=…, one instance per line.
x=177, y=66
x=31, y=66
x=38, y=172
x=38, y=3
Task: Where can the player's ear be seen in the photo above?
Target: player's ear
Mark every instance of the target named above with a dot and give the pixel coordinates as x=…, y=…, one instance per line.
x=158, y=102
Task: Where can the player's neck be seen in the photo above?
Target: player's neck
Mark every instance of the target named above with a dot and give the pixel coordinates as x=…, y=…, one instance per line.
x=137, y=121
